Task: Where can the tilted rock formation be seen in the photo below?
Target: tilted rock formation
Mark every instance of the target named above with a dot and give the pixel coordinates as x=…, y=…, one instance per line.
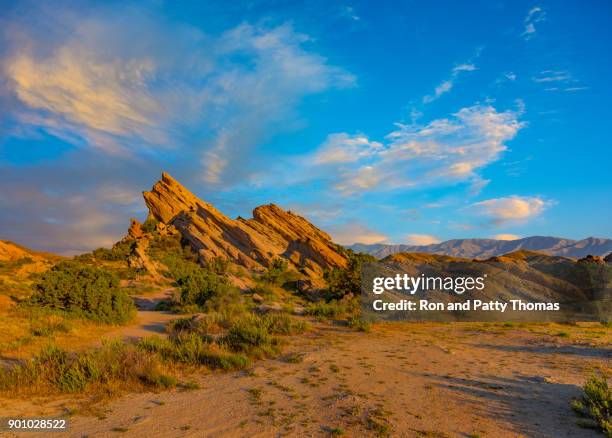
x=253, y=243
x=139, y=259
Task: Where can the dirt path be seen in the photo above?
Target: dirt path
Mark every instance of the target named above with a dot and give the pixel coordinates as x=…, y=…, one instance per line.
x=148, y=321
x=410, y=380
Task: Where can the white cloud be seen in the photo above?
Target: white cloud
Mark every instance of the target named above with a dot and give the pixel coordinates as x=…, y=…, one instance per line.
x=444, y=151
x=505, y=237
x=447, y=85
x=534, y=16
x=345, y=148
x=511, y=208
x=464, y=67
x=421, y=239
x=553, y=76
x=349, y=233
x=571, y=89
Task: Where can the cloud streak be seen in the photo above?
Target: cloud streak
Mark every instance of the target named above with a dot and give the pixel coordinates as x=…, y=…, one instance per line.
x=534, y=16
x=447, y=85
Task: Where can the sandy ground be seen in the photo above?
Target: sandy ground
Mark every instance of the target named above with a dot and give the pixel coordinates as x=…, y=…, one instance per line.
x=148, y=321
x=411, y=380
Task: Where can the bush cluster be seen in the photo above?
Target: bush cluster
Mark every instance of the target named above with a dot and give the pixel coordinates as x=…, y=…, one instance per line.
x=149, y=226
x=84, y=290
x=114, y=364
x=119, y=252
x=596, y=403
x=194, y=349
x=344, y=281
x=199, y=284
x=247, y=334
x=277, y=273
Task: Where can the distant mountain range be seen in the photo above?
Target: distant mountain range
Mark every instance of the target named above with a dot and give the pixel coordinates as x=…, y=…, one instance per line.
x=485, y=248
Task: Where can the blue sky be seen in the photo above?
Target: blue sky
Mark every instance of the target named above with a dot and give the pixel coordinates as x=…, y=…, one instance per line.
x=406, y=122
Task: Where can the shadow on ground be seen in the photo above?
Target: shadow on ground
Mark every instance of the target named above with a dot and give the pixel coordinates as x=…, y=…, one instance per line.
x=537, y=407
x=552, y=349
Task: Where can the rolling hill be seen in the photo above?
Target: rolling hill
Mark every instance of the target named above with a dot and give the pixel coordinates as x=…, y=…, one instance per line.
x=485, y=248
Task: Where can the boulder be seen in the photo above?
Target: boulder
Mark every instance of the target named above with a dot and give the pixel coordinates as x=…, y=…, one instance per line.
x=272, y=307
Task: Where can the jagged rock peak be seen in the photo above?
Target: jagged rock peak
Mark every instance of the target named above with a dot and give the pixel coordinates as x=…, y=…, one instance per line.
x=253, y=243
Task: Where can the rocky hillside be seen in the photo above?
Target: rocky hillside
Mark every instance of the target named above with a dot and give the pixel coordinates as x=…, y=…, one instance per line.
x=583, y=285
x=18, y=264
x=253, y=243
x=485, y=248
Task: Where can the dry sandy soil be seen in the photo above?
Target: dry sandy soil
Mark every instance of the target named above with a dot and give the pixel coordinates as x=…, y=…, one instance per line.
x=410, y=380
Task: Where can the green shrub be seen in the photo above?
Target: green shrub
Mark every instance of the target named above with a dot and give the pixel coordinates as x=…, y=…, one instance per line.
x=171, y=251
x=193, y=349
x=149, y=225
x=596, y=403
x=120, y=251
x=84, y=290
x=283, y=324
x=344, y=281
x=278, y=273
x=48, y=325
x=206, y=324
x=247, y=332
x=57, y=370
x=198, y=285
x=332, y=309
x=359, y=324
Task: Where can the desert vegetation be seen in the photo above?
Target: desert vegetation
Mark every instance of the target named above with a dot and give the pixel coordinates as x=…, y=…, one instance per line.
x=83, y=290
x=595, y=405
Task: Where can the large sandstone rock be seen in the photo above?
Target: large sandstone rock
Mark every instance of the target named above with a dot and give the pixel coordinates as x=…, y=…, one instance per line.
x=252, y=243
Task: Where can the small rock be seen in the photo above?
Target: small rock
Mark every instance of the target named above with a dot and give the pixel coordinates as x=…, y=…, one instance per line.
x=273, y=307
x=299, y=310
x=257, y=298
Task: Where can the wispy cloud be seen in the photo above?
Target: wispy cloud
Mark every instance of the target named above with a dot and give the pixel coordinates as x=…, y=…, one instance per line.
x=552, y=76
x=421, y=239
x=444, y=151
x=558, y=80
x=511, y=208
x=534, y=16
x=128, y=83
x=447, y=85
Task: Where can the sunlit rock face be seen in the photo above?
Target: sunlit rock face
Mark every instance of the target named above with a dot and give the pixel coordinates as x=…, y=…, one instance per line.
x=252, y=243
